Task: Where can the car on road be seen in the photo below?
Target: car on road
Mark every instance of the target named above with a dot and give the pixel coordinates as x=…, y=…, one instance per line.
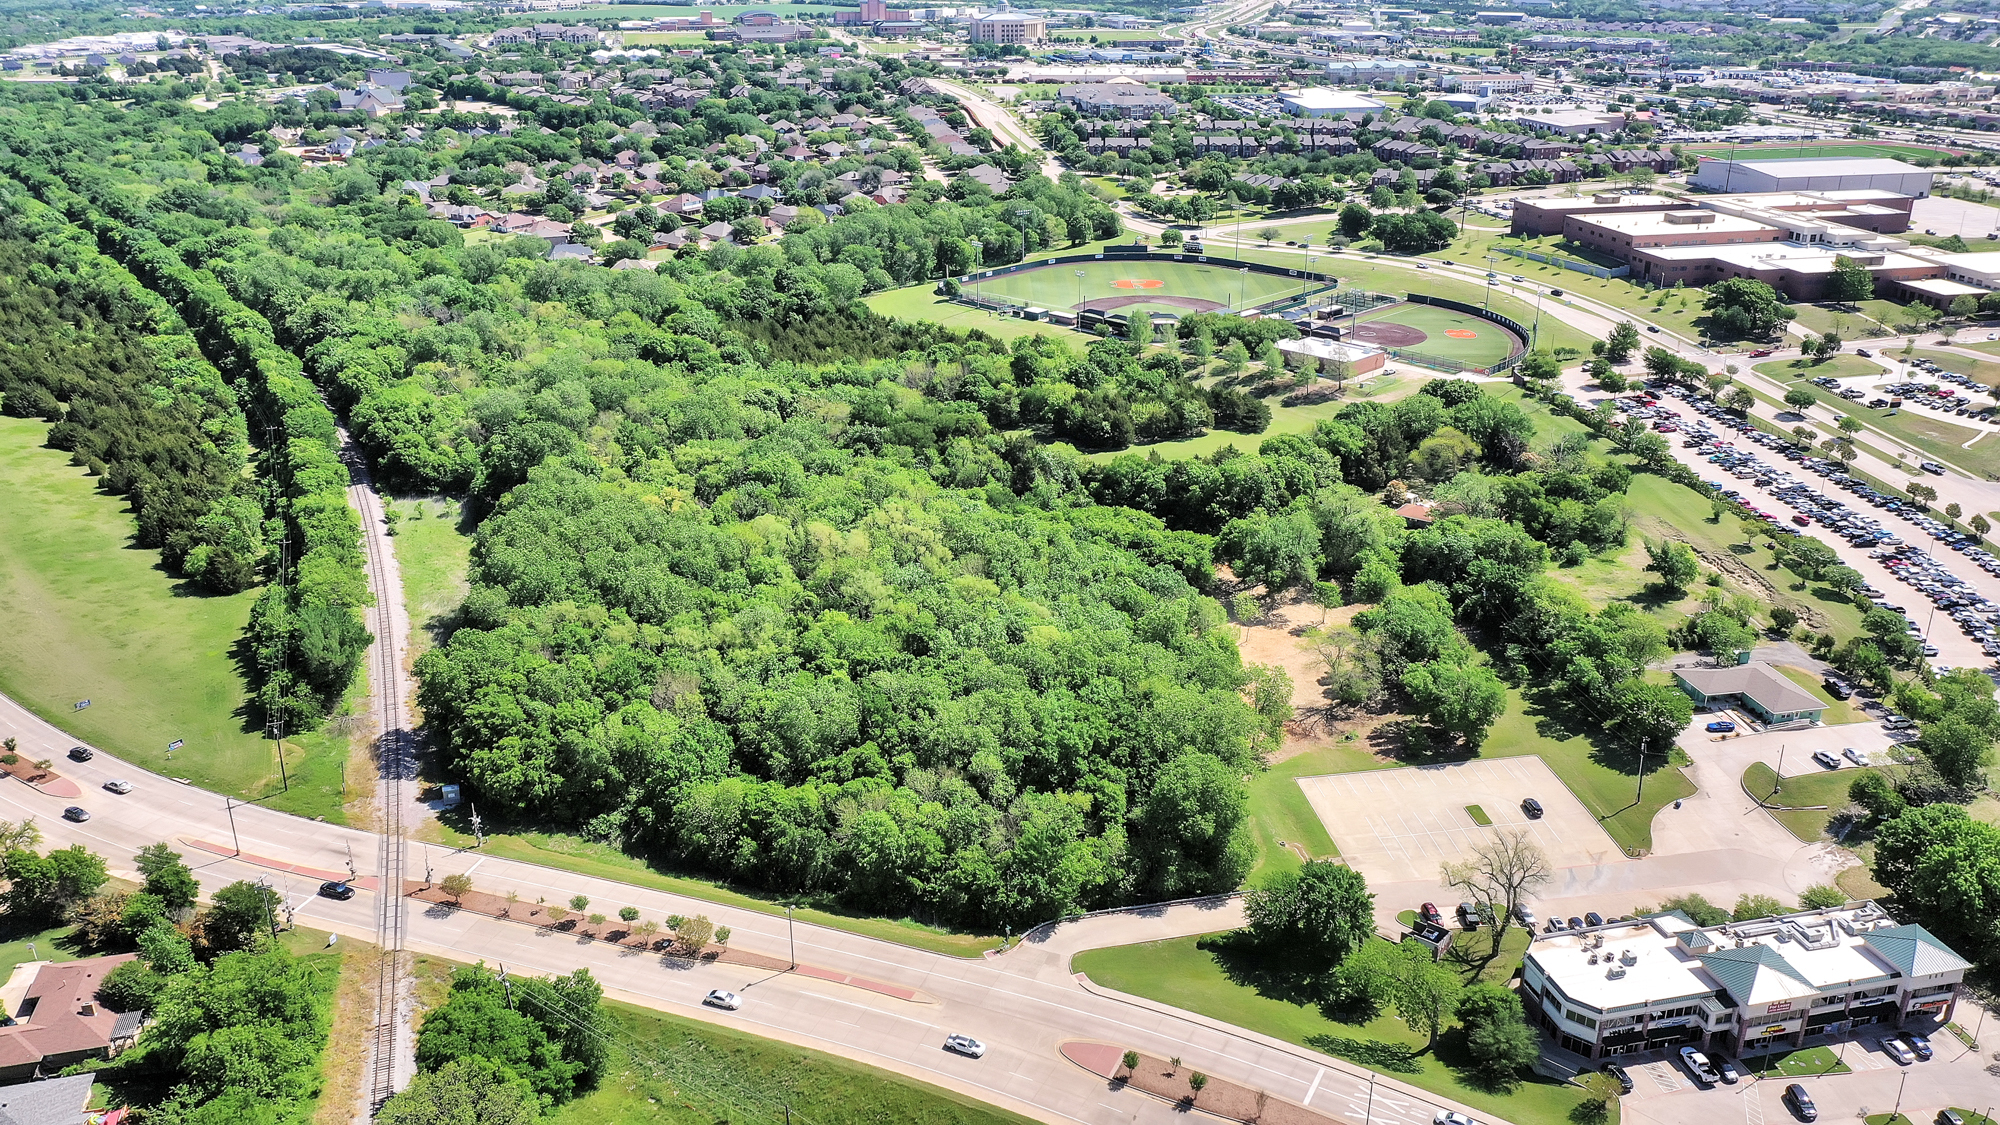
x=1728, y=1071
x=1447, y=1117
x=118, y=786
x=1855, y=756
x=1864, y=353
x=1652, y=328
x=1931, y=467
x=1518, y=277
x=1430, y=913
x=1621, y=1076
x=965, y=1045
x=77, y=813
x=1699, y=1066
x=81, y=753
x=1555, y=292
x=1826, y=759
x=340, y=890
x=1533, y=808
x=1895, y=1049
x=1919, y=1044
x=1760, y=353
x=1422, y=266
x=1801, y=1102
x=723, y=998
x=1723, y=726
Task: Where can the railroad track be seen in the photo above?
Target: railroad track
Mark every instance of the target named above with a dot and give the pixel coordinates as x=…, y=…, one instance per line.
x=396, y=762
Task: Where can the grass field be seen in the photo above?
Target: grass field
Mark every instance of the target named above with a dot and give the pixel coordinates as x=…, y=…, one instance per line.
x=1809, y=149
x=1214, y=977
x=1985, y=371
x=1838, y=711
x=1280, y=816
x=88, y=614
x=666, y=1070
x=1828, y=788
x=1487, y=344
x=1058, y=287
x=1600, y=775
x=433, y=549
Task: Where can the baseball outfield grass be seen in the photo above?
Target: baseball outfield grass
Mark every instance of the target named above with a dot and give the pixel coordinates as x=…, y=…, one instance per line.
x=1121, y=287
x=1447, y=334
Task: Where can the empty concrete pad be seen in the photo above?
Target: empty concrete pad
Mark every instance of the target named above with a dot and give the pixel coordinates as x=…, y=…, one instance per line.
x=1398, y=825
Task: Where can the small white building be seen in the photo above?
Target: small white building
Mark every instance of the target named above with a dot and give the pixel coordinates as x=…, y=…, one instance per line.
x=1319, y=101
x=1842, y=173
x=1320, y=354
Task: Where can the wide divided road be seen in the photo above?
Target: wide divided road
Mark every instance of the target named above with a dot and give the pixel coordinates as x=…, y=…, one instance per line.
x=1024, y=1004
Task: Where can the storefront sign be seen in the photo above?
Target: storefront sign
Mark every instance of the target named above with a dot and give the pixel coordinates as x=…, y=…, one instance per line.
x=1779, y=1006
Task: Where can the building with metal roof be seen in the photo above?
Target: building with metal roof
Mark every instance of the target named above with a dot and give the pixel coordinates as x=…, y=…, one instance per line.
x=1739, y=988
x=1755, y=687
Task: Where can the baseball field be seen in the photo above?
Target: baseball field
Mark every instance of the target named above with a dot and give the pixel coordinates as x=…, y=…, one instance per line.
x=1145, y=286
x=1436, y=331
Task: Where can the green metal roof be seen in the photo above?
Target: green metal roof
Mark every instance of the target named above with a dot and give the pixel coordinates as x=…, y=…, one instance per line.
x=1755, y=974
x=1914, y=951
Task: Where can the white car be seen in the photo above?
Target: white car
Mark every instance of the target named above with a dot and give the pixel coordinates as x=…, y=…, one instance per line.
x=728, y=1001
x=118, y=786
x=1699, y=1066
x=965, y=1045
x=1447, y=1117
x=1855, y=756
x=1896, y=1049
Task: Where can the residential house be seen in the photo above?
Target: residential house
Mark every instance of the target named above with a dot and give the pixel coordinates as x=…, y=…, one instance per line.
x=58, y=1020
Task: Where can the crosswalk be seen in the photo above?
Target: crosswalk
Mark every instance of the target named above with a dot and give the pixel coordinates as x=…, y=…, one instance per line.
x=1753, y=1105
x=1664, y=1076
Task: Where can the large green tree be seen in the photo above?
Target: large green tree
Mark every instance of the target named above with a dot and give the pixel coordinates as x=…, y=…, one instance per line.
x=1313, y=917
x=467, y=1091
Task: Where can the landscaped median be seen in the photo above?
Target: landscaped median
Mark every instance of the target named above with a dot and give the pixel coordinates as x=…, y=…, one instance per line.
x=1803, y=803
x=1809, y=1063
x=1187, y=1087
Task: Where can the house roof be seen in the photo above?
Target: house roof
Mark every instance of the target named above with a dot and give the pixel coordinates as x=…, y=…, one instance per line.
x=1756, y=682
x=46, y=1102
x=63, y=1015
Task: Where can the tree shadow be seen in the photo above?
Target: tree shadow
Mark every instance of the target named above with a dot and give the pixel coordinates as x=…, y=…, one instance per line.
x=1273, y=977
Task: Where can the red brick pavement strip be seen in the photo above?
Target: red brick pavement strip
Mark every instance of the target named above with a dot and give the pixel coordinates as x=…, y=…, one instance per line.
x=365, y=882
x=1170, y=1083
x=619, y=933
x=53, y=784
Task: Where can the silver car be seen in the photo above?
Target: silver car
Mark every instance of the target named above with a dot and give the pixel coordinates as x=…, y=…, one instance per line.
x=965, y=1045
x=720, y=998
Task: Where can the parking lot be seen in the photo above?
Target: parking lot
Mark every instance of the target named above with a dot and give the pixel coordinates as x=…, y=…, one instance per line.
x=1398, y=825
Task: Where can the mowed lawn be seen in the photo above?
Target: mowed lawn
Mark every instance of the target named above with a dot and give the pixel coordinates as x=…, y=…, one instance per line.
x=1799, y=794
x=1208, y=975
x=1477, y=343
x=1059, y=287
x=90, y=615
x=669, y=1070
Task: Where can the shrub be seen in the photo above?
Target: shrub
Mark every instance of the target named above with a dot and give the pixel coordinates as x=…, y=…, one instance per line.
x=628, y=913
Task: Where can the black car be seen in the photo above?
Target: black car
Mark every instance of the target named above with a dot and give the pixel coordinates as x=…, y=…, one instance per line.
x=81, y=753
x=1533, y=808
x=1802, y=1103
x=1619, y=1075
x=341, y=890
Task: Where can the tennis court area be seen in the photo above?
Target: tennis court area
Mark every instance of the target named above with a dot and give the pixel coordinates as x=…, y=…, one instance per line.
x=1141, y=286
x=1437, y=331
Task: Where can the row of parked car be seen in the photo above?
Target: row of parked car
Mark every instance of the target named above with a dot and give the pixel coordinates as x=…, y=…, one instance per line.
x=1975, y=615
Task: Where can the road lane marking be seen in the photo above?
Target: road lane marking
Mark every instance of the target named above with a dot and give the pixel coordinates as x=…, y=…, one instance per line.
x=1314, y=1088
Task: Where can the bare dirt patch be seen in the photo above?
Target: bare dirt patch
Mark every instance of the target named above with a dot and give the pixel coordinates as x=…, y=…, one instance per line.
x=1388, y=335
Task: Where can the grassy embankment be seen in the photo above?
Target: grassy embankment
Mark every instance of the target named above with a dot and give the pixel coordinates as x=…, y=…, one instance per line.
x=1800, y=792
x=89, y=614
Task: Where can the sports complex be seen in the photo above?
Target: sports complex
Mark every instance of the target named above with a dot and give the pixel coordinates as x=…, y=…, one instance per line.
x=1420, y=330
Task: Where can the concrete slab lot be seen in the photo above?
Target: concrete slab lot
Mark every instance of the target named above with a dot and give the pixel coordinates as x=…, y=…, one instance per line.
x=1397, y=825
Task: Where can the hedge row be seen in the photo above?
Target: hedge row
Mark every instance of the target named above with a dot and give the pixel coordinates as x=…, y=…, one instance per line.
x=306, y=629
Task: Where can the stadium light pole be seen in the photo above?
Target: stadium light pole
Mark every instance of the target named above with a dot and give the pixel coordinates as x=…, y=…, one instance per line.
x=978, y=258
x=1305, y=278
x=1079, y=297
x=1242, y=288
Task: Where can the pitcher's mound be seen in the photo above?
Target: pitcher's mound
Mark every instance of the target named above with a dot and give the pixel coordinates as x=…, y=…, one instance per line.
x=1138, y=283
x=1461, y=333
x=1386, y=334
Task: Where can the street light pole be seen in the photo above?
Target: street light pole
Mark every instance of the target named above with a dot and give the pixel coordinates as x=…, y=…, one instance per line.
x=792, y=937
x=229, y=806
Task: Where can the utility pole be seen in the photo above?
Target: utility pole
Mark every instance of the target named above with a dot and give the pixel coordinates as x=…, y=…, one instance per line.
x=1642, y=773
x=791, y=936
x=229, y=806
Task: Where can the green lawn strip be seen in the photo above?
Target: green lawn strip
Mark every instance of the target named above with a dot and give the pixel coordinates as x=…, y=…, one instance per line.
x=676, y=1071
x=919, y=302
x=601, y=861
x=1526, y=727
x=1887, y=1119
x=1865, y=318
x=1983, y=371
x=1673, y=309
x=1798, y=793
x=1838, y=711
x=1479, y=816
x=1890, y=149
x=1548, y=424
x=1058, y=287
x=433, y=550
x=1207, y=974
x=1811, y=1062
x=1841, y=365
x=88, y=614
x=1280, y=815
